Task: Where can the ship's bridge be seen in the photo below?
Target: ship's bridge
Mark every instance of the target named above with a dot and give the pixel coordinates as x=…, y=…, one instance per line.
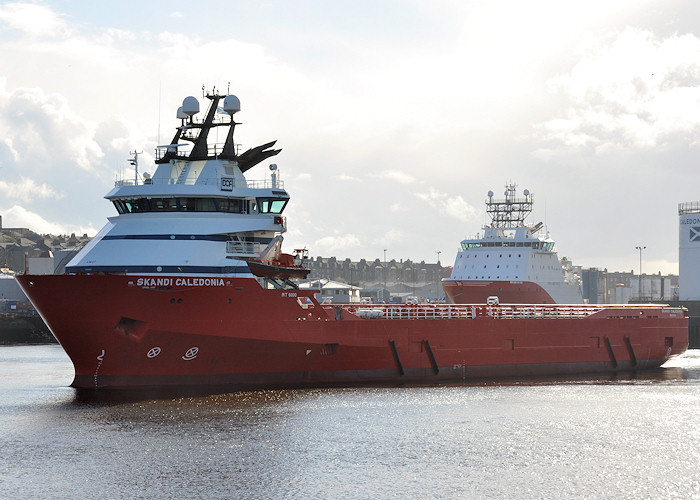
x=546, y=246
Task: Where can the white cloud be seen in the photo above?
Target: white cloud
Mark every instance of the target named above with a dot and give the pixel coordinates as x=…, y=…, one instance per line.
x=331, y=244
x=391, y=237
x=394, y=175
x=454, y=206
x=27, y=190
x=18, y=216
x=33, y=19
x=634, y=90
x=41, y=128
x=345, y=177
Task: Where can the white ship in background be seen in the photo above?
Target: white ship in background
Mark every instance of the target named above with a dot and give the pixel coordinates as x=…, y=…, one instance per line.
x=513, y=261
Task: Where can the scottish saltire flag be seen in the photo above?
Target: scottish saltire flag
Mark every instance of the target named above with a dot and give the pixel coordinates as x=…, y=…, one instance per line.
x=695, y=234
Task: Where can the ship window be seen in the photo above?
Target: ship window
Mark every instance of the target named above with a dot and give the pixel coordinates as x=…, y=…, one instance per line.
x=119, y=206
x=271, y=205
x=186, y=204
x=231, y=206
x=205, y=205
x=163, y=204
x=133, y=206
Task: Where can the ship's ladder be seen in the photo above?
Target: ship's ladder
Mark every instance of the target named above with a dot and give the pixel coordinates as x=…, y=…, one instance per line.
x=184, y=173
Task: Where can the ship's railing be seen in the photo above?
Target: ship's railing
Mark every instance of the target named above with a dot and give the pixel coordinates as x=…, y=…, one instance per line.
x=243, y=248
x=213, y=150
x=516, y=311
x=689, y=207
x=207, y=181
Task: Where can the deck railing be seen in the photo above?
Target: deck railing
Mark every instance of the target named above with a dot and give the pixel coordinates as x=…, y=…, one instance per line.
x=457, y=311
x=243, y=248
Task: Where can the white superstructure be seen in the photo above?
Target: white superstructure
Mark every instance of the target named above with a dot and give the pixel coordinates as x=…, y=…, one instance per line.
x=197, y=214
x=512, y=258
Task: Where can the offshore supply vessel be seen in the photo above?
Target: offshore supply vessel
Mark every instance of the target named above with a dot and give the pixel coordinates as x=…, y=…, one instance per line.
x=513, y=260
x=171, y=292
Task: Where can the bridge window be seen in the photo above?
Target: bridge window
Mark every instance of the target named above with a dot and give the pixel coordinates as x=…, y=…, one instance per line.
x=271, y=205
x=232, y=206
x=133, y=206
x=228, y=205
x=163, y=204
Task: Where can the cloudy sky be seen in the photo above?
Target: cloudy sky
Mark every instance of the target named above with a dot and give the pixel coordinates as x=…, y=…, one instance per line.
x=395, y=117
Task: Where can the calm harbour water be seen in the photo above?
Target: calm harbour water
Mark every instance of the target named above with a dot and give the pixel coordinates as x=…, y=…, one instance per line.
x=604, y=437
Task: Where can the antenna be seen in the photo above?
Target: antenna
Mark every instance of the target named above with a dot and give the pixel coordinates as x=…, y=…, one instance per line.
x=232, y=105
x=190, y=107
x=273, y=169
x=135, y=162
x=160, y=93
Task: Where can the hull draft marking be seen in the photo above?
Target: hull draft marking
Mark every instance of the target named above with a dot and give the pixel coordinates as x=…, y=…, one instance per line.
x=99, y=363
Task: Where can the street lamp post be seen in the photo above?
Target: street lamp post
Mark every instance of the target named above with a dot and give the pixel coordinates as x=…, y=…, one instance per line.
x=384, y=292
x=640, y=248
x=437, y=287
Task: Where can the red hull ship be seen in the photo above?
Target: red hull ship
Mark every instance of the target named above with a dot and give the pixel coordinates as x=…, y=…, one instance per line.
x=164, y=296
x=128, y=331
x=512, y=260
x=474, y=292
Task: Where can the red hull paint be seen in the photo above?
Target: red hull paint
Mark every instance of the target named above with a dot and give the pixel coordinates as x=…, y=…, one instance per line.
x=476, y=292
x=131, y=331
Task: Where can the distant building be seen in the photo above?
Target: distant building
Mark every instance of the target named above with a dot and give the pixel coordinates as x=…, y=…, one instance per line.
x=48, y=253
x=12, y=297
x=689, y=251
x=689, y=266
x=603, y=287
x=332, y=292
x=405, y=277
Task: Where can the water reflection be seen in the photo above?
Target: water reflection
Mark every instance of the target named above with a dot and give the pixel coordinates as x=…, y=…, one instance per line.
x=565, y=437
x=681, y=369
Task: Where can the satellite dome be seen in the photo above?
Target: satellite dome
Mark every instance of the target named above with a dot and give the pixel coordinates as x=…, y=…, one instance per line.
x=181, y=114
x=232, y=104
x=190, y=106
x=526, y=192
x=490, y=194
